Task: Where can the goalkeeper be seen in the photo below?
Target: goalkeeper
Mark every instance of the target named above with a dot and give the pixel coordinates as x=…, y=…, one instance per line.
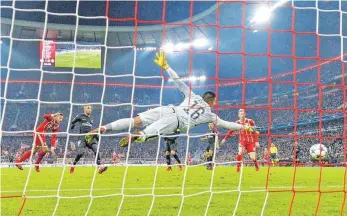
x=193, y=111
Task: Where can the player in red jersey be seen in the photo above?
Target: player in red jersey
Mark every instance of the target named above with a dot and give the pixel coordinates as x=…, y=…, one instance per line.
x=50, y=124
x=247, y=140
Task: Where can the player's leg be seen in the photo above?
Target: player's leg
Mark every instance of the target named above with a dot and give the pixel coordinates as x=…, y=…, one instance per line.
x=167, y=124
x=24, y=157
x=168, y=161
x=142, y=119
x=209, y=159
x=251, y=152
x=93, y=145
x=42, y=147
x=273, y=159
x=80, y=152
x=174, y=154
x=167, y=155
x=94, y=148
x=239, y=157
x=27, y=154
x=41, y=154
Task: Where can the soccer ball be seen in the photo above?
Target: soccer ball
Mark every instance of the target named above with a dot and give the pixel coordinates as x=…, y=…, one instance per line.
x=318, y=150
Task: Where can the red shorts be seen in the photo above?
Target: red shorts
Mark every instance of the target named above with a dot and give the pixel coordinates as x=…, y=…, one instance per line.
x=249, y=146
x=40, y=140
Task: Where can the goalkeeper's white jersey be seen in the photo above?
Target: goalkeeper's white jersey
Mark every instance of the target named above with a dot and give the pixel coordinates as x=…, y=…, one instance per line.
x=194, y=111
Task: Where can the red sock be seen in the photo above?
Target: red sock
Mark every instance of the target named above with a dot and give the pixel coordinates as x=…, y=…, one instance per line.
x=40, y=157
x=256, y=164
x=25, y=156
x=239, y=158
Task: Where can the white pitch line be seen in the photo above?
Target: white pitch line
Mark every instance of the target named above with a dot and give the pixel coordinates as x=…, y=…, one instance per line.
x=159, y=188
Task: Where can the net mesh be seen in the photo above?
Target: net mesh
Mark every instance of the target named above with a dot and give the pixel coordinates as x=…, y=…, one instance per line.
x=310, y=66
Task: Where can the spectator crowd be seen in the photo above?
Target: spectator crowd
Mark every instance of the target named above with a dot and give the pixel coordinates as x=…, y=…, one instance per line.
x=23, y=116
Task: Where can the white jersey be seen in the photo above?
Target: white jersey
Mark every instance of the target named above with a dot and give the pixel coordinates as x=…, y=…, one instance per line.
x=194, y=110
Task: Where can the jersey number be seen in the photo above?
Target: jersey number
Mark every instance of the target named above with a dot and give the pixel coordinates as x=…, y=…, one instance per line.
x=196, y=114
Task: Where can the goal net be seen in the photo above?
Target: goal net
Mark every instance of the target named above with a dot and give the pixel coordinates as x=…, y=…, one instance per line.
x=282, y=62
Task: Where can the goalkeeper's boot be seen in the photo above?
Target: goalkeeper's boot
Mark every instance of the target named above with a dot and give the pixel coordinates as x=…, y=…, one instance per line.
x=180, y=168
x=72, y=169
x=102, y=169
x=18, y=165
x=168, y=169
x=37, y=168
x=124, y=142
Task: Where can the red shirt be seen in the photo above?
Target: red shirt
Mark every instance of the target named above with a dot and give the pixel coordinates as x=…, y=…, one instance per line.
x=49, y=125
x=245, y=136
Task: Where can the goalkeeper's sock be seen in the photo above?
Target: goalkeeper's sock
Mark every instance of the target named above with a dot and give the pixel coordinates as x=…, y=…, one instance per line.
x=120, y=124
x=25, y=156
x=176, y=158
x=40, y=157
x=168, y=160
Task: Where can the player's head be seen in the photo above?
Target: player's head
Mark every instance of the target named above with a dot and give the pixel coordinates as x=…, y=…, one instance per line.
x=273, y=145
x=242, y=113
x=210, y=98
x=87, y=109
x=59, y=118
x=210, y=126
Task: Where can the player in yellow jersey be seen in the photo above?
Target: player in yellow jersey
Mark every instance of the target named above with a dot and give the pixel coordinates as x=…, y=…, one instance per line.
x=274, y=151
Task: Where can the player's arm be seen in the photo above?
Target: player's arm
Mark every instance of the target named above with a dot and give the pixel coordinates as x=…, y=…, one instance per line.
x=161, y=62
x=54, y=140
x=230, y=132
x=74, y=121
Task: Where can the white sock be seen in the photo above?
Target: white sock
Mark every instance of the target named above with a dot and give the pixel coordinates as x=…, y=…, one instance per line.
x=120, y=124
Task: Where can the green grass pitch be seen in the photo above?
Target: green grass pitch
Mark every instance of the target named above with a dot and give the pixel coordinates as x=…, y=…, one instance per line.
x=139, y=182
x=84, y=59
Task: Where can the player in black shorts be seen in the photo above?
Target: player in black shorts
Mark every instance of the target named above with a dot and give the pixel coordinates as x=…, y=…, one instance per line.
x=211, y=139
x=171, y=149
x=91, y=142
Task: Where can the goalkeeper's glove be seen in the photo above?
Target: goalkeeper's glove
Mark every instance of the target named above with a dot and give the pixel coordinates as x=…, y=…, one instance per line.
x=161, y=60
x=248, y=128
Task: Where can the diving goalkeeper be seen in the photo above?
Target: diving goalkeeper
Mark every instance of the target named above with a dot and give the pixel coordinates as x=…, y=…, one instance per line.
x=193, y=111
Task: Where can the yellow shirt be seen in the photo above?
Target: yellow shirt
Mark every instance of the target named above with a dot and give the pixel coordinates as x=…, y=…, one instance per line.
x=273, y=150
